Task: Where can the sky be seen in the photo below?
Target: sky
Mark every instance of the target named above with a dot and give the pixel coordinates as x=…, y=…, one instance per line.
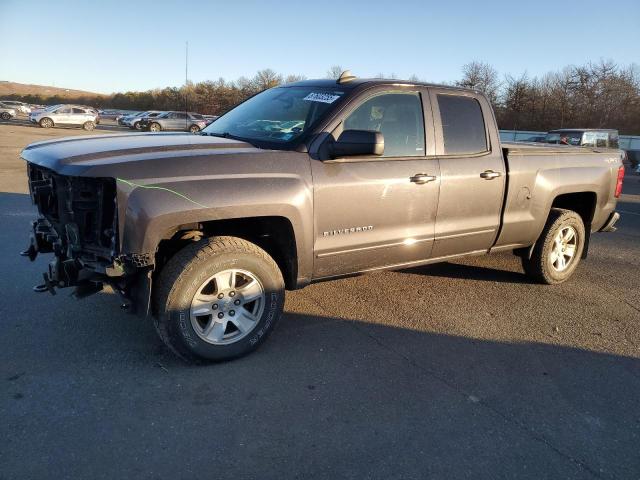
x=109, y=46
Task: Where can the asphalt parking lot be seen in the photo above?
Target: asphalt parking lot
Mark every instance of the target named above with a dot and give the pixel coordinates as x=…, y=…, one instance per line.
x=456, y=370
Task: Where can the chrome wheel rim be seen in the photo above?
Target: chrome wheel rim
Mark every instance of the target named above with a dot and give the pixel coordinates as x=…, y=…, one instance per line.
x=564, y=249
x=227, y=306
x=154, y=128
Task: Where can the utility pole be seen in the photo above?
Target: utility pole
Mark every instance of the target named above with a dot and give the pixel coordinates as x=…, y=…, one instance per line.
x=186, y=83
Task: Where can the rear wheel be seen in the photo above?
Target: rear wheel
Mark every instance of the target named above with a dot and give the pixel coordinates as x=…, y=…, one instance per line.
x=194, y=128
x=5, y=116
x=218, y=299
x=88, y=126
x=155, y=127
x=46, y=122
x=557, y=252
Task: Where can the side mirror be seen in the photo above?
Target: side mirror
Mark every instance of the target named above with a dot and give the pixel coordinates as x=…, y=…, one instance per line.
x=358, y=142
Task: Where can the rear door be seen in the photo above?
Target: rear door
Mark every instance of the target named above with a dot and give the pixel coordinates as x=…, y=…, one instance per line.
x=472, y=173
x=375, y=211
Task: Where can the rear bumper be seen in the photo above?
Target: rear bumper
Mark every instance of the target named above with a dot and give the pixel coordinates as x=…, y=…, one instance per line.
x=609, y=226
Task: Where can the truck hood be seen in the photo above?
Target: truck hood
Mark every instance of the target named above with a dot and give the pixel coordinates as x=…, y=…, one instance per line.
x=137, y=155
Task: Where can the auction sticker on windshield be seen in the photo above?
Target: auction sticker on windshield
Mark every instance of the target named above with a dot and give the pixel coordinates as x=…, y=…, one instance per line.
x=321, y=97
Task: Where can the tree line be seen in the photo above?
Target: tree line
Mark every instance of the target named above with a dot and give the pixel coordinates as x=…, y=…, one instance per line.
x=594, y=95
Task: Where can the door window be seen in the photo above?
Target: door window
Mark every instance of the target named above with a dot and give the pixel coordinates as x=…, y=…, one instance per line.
x=78, y=110
x=63, y=110
x=463, y=127
x=398, y=116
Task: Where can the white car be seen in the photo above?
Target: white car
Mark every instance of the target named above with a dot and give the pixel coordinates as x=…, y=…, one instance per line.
x=18, y=106
x=6, y=112
x=64, y=115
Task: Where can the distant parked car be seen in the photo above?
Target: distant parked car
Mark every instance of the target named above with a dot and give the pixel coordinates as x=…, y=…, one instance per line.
x=174, y=121
x=133, y=121
x=65, y=115
x=18, y=106
x=6, y=112
x=584, y=137
x=534, y=139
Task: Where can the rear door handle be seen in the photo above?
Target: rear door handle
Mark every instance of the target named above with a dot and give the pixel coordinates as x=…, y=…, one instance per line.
x=490, y=175
x=422, y=178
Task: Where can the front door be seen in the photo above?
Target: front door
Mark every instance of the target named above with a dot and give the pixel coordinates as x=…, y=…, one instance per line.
x=378, y=211
x=472, y=173
x=62, y=116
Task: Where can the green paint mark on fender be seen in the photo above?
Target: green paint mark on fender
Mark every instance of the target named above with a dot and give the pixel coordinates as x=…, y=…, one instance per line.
x=153, y=187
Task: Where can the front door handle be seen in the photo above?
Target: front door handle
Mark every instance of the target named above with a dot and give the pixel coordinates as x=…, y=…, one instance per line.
x=422, y=178
x=490, y=175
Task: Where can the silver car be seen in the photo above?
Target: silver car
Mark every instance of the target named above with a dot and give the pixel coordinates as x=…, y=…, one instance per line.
x=174, y=121
x=133, y=121
x=6, y=112
x=18, y=106
x=65, y=115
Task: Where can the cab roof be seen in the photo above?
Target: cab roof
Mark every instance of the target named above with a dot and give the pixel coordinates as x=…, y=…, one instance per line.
x=358, y=82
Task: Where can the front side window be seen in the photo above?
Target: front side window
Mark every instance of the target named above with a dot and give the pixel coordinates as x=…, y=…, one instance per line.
x=463, y=127
x=64, y=110
x=78, y=110
x=278, y=115
x=398, y=116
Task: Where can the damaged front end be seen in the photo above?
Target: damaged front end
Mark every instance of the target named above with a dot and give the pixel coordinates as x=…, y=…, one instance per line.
x=78, y=223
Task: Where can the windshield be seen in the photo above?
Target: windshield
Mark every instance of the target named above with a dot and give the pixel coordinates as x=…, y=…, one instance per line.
x=277, y=115
x=564, y=138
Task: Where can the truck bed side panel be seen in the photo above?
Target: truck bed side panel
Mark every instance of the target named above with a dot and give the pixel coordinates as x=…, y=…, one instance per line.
x=539, y=174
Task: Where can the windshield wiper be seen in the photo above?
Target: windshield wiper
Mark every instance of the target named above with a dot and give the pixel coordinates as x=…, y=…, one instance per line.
x=229, y=135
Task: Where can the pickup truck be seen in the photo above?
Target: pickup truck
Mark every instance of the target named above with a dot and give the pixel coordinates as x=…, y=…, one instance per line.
x=308, y=181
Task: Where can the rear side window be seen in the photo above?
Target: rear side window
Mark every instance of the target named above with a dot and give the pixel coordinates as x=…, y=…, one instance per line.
x=462, y=125
x=613, y=140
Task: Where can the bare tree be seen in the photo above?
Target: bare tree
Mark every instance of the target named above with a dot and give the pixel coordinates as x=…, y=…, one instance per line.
x=335, y=71
x=266, y=78
x=481, y=76
x=294, y=78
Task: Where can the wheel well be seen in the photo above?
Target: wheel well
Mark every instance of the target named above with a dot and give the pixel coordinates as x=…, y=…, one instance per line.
x=583, y=203
x=273, y=234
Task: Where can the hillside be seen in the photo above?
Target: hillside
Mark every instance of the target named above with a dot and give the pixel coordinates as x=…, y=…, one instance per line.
x=13, y=88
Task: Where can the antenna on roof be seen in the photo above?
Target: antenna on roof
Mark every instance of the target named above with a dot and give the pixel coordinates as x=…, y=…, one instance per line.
x=346, y=76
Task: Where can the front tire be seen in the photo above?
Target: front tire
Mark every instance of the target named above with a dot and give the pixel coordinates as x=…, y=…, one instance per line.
x=218, y=299
x=558, y=250
x=5, y=116
x=194, y=129
x=88, y=126
x=136, y=126
x=155, y=127
x=46, y=122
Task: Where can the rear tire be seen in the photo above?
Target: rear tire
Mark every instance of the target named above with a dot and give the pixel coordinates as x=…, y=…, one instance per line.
x=558, y=250
x=5, y=116
x=207, y=306
x=136, y=126
x=155, y=127
x=88, y=126
x=46, y=122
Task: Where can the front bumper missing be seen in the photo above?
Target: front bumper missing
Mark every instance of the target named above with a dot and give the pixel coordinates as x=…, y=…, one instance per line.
x=89, y=277
x=609, y=226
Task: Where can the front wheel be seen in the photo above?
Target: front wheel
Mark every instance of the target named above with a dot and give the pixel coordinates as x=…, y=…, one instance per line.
x=194, y=128
x=155, y=127
x=88, y=126
x=46, y=123
x=5, y=116
x=218, y=299
x=557, y=252
x=136, y=126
